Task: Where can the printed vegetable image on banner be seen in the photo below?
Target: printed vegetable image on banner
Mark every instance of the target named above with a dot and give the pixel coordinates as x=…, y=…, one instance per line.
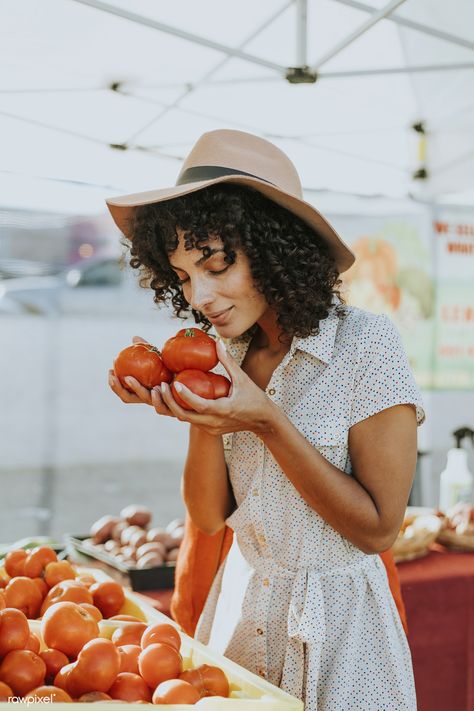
x=393, y=274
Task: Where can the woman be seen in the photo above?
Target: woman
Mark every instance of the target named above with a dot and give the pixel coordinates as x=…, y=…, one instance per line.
x=310, y=459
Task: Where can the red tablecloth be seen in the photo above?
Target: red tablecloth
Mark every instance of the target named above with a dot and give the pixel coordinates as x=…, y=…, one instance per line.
x=438, y=592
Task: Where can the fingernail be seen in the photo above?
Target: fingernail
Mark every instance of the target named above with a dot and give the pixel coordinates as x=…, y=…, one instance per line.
x=222, y=345
x=178, y=387
x=163, y=387
x=129, y=380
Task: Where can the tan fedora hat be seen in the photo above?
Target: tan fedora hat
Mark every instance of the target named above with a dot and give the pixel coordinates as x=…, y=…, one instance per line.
x=226, y=156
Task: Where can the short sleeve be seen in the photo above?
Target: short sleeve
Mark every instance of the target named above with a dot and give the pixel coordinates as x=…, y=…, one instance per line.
x=383, y=376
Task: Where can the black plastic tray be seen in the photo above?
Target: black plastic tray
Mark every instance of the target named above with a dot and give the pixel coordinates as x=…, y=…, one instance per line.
x=159, y=577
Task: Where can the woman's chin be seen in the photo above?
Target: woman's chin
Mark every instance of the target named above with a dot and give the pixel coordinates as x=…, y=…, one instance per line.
x=228, y=331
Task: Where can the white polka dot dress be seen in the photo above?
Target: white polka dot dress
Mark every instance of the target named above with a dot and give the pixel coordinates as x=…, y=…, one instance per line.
x=295, y=601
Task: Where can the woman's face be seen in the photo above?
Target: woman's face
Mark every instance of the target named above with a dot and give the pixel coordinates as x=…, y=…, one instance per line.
x=212, y=286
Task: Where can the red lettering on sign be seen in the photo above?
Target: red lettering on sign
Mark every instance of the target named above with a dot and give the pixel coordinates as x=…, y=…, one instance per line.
x=441, y=227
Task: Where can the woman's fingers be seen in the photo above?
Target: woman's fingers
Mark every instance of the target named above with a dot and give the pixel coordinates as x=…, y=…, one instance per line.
x=159, y=404
x=234, y=371
x=124, y=394
x=140, y=391
x=138, y=339
x=198, y=404
x=171, y=403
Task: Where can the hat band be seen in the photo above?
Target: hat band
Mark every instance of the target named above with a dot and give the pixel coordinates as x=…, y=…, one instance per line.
x=210, y=172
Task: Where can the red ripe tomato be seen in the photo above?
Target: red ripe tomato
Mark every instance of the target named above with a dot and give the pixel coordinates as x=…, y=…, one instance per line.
x=41, y=585
x=24, y=595
x=57, y=571
x=68, y=627
x=5, y=692
x=162, y=633
x=191, y=348
x=61, y=678
x=159, y=662
x=86, y=579
x=208, y=680
x=92, y=610
x=207, y=385
x=130, y=687
x=197, y=382
x=109, y=597
x=38, y=560
x=221, y=385
x=93, y=696
x=33, y=643
x=96, y=669
x=54, y=694
x=14, y=630
x=129, y=634
x=15, y=562
x=175, y=691
x=129, y=654
x=143, y=362
x=67, y=591
x=22, y=670
x=55, y=661
x=4, y=578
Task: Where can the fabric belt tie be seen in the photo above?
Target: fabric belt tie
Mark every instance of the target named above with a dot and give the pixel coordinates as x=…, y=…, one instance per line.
x=306, y=622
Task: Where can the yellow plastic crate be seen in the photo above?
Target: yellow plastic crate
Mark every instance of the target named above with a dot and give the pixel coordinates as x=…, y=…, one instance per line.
x=248, y=691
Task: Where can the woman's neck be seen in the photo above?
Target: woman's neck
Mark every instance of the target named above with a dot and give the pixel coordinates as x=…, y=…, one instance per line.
x=267, y=336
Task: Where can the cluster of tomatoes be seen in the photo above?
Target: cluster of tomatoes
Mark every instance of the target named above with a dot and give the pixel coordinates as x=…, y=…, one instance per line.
x=69, y=660
x=186, y=358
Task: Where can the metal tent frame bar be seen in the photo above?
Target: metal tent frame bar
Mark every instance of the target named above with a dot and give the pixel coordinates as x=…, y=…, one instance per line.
x=376, y=16
x=182, y=34
x=192, y=87
x=411, y=24
x=311, y=73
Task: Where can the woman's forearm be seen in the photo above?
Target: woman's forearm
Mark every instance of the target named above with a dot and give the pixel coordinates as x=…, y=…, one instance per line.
x=205, y=486
x=337, y=497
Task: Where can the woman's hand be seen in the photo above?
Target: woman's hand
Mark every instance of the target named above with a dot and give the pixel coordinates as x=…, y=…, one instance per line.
x=247, y=407
x=140, y=394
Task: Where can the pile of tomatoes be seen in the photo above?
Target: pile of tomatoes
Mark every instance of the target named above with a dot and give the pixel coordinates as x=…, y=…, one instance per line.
x=69, y=660
x=186, y=358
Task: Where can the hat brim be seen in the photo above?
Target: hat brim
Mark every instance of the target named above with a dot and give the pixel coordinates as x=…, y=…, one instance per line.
x=122, y=207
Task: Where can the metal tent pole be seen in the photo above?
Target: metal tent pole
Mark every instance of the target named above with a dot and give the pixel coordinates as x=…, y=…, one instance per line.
x=412, y=25
x=168, y=29
x=301, y=32
x=362, y=29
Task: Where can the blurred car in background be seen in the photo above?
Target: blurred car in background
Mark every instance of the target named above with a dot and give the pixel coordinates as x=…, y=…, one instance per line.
x=11, y=268
x=98, y=285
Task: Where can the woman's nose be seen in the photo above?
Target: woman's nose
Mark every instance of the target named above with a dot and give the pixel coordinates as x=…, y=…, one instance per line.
x=201, y=296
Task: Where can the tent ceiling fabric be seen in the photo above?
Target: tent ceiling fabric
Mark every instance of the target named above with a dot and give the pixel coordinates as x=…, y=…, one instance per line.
x=350, y=131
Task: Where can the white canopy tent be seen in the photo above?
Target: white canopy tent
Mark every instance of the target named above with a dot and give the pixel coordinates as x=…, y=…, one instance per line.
x=104, y=97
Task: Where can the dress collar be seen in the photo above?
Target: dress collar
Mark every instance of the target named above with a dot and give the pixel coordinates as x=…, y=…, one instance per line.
x=321, y=344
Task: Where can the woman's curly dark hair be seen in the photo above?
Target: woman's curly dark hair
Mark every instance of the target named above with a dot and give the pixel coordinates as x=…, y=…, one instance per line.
x=290, y=263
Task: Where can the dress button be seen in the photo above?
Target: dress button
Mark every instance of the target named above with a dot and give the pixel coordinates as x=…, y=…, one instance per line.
x=261, y=673
x=262, y=540
x=255, y=492
x=265, y=582
x=259, y=631
x=272, y=391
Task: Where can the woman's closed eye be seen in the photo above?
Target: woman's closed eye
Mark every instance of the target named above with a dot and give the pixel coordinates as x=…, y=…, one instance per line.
x=221, y=271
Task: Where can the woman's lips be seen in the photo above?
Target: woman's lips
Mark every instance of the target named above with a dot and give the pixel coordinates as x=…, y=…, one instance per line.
x=220, y=318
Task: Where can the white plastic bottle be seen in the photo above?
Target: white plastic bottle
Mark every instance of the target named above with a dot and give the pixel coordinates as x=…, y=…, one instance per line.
x=456, y=480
